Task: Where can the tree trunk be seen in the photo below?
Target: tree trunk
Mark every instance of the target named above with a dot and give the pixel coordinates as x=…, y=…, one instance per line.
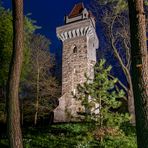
x=139, y=69
x=13, y=110
x=131, y=107
x=37, y=95
x=22, y=112
x=131, y=104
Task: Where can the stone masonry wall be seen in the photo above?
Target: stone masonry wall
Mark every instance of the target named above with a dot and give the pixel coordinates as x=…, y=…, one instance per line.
x=75, y=63
x=73, y=68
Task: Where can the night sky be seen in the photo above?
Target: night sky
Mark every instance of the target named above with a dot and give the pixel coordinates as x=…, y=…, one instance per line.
x=48, y=14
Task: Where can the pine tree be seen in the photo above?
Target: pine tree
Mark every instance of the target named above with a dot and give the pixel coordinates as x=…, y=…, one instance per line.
x=100, y=98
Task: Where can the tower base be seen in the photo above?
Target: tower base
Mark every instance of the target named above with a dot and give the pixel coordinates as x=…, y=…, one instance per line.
x=68, y=109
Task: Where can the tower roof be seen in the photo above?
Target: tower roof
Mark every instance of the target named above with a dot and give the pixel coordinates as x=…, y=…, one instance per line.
x=77, y=10
x=78, y=13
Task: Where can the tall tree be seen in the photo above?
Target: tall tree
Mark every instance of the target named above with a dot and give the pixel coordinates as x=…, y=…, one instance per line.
x=6, y=39
x=114, y=23
x=139, y=57
x=101, y=95
x=41, y=88
x=13, y=111
x=101, y=99
x=114, y=20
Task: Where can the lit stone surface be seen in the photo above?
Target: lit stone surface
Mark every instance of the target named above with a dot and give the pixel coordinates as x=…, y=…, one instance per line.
x=79, y=57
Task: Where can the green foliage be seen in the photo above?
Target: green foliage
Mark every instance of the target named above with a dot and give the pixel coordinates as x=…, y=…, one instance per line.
x=146, y=2
x=29, y=29
x=6, y=39
x=118, y=5
x=6, y=36
x=6, y=45
x=73, y=135
x=117, y=138
x=62, y=135
x=119, y=142
x=101, y=99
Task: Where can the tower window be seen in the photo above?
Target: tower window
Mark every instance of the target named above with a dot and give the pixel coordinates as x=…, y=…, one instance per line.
x=85, y=15
x=74, y=49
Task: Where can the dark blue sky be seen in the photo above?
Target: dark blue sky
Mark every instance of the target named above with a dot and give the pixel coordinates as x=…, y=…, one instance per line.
x=49, y=14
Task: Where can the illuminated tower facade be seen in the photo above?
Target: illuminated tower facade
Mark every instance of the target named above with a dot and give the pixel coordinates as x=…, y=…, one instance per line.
x=80, y=42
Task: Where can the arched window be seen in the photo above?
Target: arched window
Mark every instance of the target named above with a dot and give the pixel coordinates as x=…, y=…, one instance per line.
x=74, y=49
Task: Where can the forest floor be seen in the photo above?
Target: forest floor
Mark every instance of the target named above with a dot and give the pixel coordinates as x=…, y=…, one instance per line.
x=58, y=135
x=69, y=135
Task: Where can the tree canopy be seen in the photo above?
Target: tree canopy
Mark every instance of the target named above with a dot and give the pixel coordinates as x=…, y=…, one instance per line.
x=6, y=38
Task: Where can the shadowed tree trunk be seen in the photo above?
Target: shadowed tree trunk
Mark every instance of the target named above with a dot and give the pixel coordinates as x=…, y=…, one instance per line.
x=13, y=110
x=37, y=93
x=139, y=69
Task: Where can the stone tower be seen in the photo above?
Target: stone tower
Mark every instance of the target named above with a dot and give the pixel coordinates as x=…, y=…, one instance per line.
x=80, y=42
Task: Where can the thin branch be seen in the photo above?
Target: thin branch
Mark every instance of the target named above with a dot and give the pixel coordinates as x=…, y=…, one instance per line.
x=121, y=84
x=124, y=68
x=128, y=55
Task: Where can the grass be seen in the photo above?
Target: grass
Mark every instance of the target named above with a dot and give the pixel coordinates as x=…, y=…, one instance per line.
x=68, y=135
x=58, y=135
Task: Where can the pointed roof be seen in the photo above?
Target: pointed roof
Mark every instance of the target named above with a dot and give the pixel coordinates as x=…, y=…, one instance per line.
x=77, y=10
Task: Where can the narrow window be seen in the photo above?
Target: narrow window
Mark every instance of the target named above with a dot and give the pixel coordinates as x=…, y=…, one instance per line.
x=75, y=49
